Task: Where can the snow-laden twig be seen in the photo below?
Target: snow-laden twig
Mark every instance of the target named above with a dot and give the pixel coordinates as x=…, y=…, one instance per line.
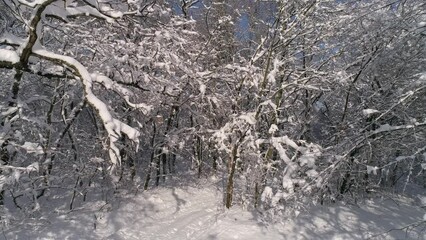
x=389, y=128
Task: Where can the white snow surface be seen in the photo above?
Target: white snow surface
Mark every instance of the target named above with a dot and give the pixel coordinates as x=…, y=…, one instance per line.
x=8, y=56
x=197, y=213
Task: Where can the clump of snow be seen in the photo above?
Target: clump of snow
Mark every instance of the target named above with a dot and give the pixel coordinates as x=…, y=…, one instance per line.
x=249, y=118
x=368, y=112
x=202, y=89
x=144, y=107
x=111, y=12
x=270, y=103
x=267, y=194
x=421, y=80
x=276, y=69
x=276, y=142
x=9, y=111
x=87, y=10
x=383, y=128
x=33, y=167
x=372, y=169
x=422, y=200
x=273, y=129
x=9, y=56
x=311, y=173
x=32, y=148
x=309, y=155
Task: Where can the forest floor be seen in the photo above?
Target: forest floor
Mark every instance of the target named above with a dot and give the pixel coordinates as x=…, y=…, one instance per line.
x=196, y=212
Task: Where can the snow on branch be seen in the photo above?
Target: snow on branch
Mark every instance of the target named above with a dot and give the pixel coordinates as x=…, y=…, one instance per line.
x=126, y=93
x=32, y=46
x=389, y=128
x=34, y=167
x=92, y=8
x=113, y=126
x=58, y=11
x=31, y=4
x=34, y=31
x=402, y=158
x=305, y=159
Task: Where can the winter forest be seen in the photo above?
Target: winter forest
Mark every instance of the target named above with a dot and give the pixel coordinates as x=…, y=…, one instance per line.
x=271, y=108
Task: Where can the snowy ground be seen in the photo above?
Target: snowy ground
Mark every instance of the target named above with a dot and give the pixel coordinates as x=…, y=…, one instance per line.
x=196, y=213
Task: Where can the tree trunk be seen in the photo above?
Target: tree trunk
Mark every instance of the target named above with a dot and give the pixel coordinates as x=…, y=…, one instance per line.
x=199, y=151
x=164, y=162
x=148, y=174
x=231, y=172
x=151, y=161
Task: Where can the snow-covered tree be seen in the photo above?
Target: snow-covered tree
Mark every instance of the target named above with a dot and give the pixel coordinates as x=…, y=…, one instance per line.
x=309, y=102
x=72, y=73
